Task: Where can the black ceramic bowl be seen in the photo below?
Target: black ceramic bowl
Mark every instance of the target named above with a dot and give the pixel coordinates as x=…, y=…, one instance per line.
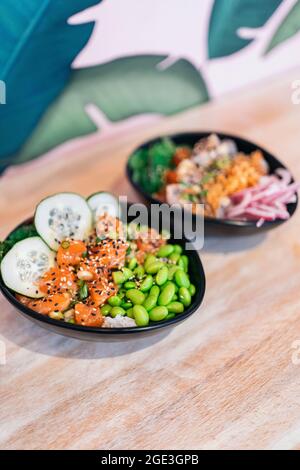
x=211, y=224
x=197, y=277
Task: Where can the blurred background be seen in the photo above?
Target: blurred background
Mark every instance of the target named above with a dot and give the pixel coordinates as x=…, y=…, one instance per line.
x=73, y=70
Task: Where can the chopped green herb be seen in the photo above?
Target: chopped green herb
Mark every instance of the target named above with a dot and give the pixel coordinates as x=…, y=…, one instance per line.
x=221, y=163
x=208, y=177
x=83, y=291
x=100, y=239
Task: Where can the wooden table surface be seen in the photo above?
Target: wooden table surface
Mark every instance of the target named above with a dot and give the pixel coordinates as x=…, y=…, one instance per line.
x=223, y=379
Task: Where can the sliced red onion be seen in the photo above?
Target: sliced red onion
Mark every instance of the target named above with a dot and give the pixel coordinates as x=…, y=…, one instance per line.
x=260, y=214
x=266, y=201
x=239, y=208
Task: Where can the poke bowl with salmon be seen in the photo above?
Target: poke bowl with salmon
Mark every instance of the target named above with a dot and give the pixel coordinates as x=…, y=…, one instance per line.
x=79, y=270
x=229, y=181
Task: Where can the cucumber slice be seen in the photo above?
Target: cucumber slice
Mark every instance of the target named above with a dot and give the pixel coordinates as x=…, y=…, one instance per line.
x=24, y=264
x=104, y=202
x=64, y=215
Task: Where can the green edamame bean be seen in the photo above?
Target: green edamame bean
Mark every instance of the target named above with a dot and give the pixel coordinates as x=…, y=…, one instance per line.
x=173, y=284
x=117, y=311
x=175, y=297
x=172, y=271
x=126, y=304
x=166, y=294
x=149, y=260
x=150, y=302
x=185, y=296
x=177, y=249
x=154, y=291
x=162, y=276
x=181, y=264
x=165, y=251
x=139, y=272
x=181, y=279
x=174, y=257
x=132, y=264
x=114, y=301
x=150, y=257
x=136, y=296
x=175, y=307
x=105, y=310
x=184, y=259
x=129, y=285
x=192, y=290
x=118, y=277
x=170, y=316
x=153, y=268
x=127, y=274
x=158, y=313
x=121, y=293
x=147, y=283
x=129, y=313
x=140, y=315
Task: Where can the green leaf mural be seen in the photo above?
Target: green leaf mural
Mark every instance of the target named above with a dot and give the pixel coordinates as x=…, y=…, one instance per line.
x=230, y=15
x=122, y=88
x=288, y=28
x=37, y=49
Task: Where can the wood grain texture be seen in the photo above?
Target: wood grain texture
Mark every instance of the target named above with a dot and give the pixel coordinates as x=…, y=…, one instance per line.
x=223, y=379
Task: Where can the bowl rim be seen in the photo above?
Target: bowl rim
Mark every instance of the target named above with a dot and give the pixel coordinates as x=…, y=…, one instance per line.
x=196, y=303
x=211, y=220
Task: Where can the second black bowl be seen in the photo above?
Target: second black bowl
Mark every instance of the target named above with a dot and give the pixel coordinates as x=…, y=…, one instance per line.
x=214, y=224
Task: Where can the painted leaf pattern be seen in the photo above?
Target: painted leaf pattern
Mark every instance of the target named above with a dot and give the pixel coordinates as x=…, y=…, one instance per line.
x=228, y=16
x=121, y=89
x=37, y=49
x=287, y=29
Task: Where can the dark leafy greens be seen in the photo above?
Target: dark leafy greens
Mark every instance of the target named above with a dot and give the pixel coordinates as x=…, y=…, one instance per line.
x=21, y=233
x=149, y=164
